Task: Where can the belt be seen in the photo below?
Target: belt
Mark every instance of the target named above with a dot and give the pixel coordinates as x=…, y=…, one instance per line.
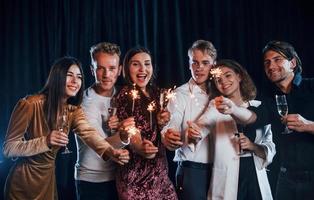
x=195, y=165
x=298, y=174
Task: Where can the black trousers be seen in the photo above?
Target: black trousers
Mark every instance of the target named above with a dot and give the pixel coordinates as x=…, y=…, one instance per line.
x=96, y=191
x=248, y=188
x=295, y=184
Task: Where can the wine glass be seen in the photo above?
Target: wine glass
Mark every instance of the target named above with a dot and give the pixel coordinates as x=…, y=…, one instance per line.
x=63, y=127
x=282, y=108
x=112, y=111
x=237, y=134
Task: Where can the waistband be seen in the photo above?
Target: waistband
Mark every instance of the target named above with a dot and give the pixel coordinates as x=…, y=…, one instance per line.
x=246, y=155
x=195, y=165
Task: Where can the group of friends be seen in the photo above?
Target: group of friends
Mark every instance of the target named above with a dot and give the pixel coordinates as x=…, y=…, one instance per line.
x=222, y=136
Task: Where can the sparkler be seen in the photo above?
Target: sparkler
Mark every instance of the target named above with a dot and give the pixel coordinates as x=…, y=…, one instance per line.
x=215, y=72
x=170, y=94
x=151, y=107
x=162, y=100
x=133, y=130
x=134, y=94
x=166, y=96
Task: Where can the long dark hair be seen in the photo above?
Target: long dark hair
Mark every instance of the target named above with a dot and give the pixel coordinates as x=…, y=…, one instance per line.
x=247, y=87
x=126, y=65
x=54, y=89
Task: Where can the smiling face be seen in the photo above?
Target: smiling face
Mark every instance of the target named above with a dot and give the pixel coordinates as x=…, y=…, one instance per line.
x=277, y=67
x=73, y=81
x=106, y=70
x=200, y=65
x=141, y=69
x=228, y=84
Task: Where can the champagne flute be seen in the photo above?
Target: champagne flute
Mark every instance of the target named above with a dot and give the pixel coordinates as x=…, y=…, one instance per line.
x=282, y=108
x=112, y=111
x=62, y=128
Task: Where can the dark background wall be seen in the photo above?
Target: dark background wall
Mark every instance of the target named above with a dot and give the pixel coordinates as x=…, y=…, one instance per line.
x=33, y=33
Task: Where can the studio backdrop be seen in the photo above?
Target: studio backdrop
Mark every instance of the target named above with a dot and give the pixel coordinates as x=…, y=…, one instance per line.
x=33, y=33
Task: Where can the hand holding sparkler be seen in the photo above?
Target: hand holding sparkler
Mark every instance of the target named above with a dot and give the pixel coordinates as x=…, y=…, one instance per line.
x=224, y=105
x=148, y=149
x=144, y=147
x=120, y=156
x=127, y=129
x=172, y=139
x=193, y=132
x=163, y=117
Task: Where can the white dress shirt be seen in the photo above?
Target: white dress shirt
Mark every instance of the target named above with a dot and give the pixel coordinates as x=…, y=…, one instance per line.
x=188, y=104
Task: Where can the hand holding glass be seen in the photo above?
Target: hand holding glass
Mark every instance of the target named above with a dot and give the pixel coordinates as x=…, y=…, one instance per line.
x=282, y=108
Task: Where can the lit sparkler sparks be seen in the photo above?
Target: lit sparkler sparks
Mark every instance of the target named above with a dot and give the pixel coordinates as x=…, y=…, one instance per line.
x=132, y=131
x=166, y=96
x=151, y=106
x=171, y=94
x=215, y=72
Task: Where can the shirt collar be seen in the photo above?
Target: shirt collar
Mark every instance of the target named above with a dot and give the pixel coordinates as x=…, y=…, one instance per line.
x=297, y=79
x=194, y=88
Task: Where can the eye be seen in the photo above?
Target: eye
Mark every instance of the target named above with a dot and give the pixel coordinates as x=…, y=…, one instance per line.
x=206, y=63
x=278, y=60
x=112, y=68
x=195, y=64
x=134, y=64
x=266, y=63
x=99, y=68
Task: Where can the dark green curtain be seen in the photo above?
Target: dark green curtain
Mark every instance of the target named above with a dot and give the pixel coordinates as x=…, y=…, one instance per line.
x=33, y=33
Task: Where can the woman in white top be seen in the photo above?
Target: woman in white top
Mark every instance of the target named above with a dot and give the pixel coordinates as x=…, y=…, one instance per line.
x=235, y=176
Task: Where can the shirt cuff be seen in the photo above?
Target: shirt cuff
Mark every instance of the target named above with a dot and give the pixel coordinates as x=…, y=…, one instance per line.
x=125, y=143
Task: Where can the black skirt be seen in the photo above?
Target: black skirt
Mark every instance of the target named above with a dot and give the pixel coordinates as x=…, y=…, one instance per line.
x=248, y=188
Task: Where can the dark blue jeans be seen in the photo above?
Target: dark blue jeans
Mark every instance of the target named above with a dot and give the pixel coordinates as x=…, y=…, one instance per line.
x=96, y=191
x=192, y=180
x=295, y=185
